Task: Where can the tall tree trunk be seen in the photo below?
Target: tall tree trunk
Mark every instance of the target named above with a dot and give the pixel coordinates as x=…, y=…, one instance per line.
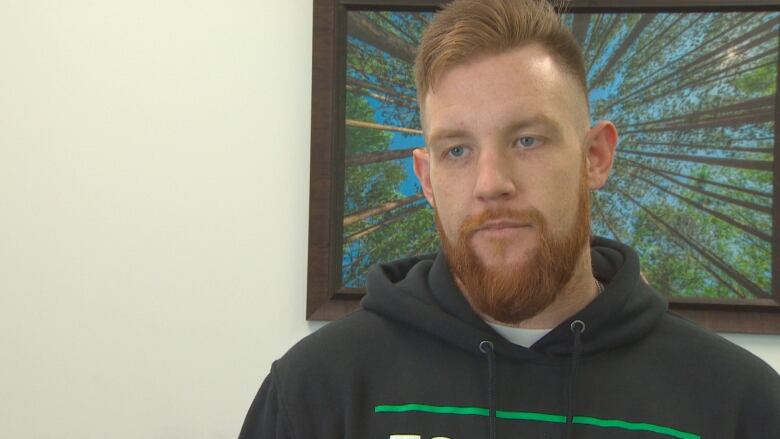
x=754, y=38
x=366, y=258
x=746, y=204
x=580, y=27
x=614, y=60
x=709, y=269
x=762, y=104
x=712, y=258
x=378, y=210
x=362, y=28
x=759, y=116
x=663, y=32
x=379, y=97
x=605, y=220
x=386, y=99
x=720, y=279
x=702, y=180
x=384, y=223
x=723, y=50
x=605, y=36
x=756, y=165
x=700, y=48
x=383, y=89
x=404, y=85
x=745, y=228
x=704, y=147
x=754, y=111
x=726, y=74
x=399, y=29
x=375, y=126
x=594, y=26
x=364, y=158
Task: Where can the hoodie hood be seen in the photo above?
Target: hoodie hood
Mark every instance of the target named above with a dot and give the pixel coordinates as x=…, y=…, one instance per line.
x=420, y=292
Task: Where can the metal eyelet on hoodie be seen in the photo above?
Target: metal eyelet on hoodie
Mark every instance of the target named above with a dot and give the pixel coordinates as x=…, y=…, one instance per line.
x=486, y=347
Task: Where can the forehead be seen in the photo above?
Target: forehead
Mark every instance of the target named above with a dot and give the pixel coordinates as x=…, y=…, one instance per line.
x=526, y=82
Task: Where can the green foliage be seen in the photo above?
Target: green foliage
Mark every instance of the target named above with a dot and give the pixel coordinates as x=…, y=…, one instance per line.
x=761, y=81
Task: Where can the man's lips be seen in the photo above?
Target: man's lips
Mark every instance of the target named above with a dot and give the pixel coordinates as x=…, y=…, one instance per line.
x=494, y=225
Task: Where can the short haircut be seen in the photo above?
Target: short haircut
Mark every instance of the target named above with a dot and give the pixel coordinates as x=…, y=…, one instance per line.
x=466, y=30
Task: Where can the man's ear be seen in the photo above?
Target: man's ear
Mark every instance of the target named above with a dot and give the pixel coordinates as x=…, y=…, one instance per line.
x=422, y=169
x=601, y=143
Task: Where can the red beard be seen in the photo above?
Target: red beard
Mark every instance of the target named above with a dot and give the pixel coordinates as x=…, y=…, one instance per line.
x=511, y=296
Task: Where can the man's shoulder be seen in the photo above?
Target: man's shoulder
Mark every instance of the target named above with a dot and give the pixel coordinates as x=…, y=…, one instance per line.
x=359, y=340
x=690, y=345
x=340, y=338
x=332, y=362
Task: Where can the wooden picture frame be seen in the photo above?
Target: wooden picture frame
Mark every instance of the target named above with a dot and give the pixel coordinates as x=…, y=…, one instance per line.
x=327, y=299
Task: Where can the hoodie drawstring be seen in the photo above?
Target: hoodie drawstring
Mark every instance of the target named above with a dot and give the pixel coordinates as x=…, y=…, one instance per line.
x=577, y=327
x=486, y=348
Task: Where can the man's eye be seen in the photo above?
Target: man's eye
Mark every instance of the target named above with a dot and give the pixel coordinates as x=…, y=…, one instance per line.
x=457, y=151
x=526, y=141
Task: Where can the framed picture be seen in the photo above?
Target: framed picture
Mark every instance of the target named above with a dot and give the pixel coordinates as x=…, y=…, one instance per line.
x=692, y=88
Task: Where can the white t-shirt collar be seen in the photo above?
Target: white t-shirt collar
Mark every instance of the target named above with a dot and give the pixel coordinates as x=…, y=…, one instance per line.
x=519, y=336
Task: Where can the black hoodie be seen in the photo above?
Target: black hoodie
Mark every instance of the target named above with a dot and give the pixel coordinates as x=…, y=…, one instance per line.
x=417, y=362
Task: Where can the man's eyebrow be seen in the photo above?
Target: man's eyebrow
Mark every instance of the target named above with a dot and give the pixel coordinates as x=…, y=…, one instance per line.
x=534, y=121
x=440, y=135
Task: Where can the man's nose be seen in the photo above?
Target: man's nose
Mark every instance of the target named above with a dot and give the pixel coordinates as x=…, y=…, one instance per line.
x=494, y=175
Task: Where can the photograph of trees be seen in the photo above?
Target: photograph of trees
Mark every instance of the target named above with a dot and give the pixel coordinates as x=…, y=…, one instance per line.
x=693, y=97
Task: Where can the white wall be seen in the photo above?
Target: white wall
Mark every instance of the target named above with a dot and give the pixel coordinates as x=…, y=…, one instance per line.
x=154, y=162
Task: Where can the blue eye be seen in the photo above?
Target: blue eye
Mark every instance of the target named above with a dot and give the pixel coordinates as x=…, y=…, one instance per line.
x=457, y=151
x=526, y=141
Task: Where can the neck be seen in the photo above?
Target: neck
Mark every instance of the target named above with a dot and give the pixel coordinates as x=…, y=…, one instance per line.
x=574, y=296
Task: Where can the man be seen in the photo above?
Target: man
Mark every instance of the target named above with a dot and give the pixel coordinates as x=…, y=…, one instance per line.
x=523, y=327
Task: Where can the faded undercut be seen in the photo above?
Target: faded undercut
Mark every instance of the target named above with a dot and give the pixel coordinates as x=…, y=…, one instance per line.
x=466, y=30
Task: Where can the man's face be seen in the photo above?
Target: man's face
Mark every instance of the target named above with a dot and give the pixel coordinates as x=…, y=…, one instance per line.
x=505, y=171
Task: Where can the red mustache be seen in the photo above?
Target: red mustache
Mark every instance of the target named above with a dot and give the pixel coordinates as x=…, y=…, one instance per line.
x=474, y=223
